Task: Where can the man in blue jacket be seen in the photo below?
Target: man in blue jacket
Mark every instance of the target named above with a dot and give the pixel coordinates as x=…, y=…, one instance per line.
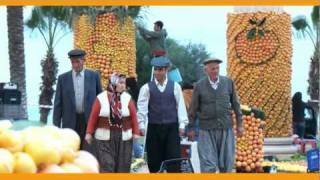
x=75, y=93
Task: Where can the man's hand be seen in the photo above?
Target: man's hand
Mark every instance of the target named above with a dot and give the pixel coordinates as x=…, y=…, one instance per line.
x=181, y=132
x=142, y=132
x=88, y=138
x=240, y=131
x=135, y=136
x=191, y=135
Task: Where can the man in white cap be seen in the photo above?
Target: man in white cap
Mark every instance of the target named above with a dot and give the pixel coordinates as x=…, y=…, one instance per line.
x=213, y=100
x=161, y=103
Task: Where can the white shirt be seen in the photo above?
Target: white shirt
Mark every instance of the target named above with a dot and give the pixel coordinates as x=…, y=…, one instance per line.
x=215, y=84
x=143, y=102
x=78, y=85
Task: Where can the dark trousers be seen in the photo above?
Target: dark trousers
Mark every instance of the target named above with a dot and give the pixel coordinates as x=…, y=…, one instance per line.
x=162, y=143
x=114, y=155
x=299, y=128
x=81, y=127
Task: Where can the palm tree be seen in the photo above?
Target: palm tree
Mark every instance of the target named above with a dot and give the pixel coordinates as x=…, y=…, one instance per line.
x=304, y=29
x=50, y=21
x=16, y=53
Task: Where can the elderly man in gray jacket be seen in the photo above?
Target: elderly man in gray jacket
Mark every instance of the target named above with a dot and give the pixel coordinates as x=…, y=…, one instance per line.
x=213, y=99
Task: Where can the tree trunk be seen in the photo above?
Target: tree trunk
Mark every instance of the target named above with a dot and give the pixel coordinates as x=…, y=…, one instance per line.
x=49, y=71
x=313, y=89
x=16, y=53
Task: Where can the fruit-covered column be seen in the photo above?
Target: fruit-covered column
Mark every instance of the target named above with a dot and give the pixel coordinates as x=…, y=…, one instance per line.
x=259, y=61
x=110, y=45
x=82, y=29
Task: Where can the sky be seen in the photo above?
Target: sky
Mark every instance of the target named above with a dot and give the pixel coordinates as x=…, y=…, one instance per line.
x=196, y=24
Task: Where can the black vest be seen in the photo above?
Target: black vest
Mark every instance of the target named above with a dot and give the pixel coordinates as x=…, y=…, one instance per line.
x=162, y=106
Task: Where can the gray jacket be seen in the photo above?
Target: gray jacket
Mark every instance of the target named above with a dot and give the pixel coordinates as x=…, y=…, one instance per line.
x=156, y=39
x=64, y=112
x=214, y=107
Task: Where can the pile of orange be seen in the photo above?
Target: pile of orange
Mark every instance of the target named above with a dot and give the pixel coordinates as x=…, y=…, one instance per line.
x=249, y=147
x=259, y=61
x=110, y=45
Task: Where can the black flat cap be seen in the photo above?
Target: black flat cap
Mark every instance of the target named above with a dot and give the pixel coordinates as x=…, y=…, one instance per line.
x=216, y=60
x=76, y=53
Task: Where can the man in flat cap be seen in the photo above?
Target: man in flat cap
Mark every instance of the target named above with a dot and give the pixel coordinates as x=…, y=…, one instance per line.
x=213, y=100
x=155, y=38
x=161, y=104
x=75, y=93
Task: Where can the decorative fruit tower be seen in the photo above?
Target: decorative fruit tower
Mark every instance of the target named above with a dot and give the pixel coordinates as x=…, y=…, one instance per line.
x=259, y=61
x=110, y=44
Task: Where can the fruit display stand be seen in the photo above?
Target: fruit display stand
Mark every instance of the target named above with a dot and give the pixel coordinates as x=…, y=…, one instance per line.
x=249, y=147
x=286, y=153
x=45, y=149
x=295, y=163
x=281, y=146
x=253, y=149
x=259, y=61
x=109, y=43
x=286, y=167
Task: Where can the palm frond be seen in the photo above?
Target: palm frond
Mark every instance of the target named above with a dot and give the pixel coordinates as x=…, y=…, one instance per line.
x=301, y=25
x=300, y=22
x=315, y=17
x=46, y=10
x=133, y=11
x=36, y=20
x=121, y=12
x=60, y=13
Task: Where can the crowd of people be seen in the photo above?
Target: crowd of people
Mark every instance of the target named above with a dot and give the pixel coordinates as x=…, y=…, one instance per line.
x=110, y=121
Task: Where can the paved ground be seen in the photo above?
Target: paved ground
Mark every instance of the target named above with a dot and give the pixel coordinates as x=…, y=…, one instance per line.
x=142, y=169
x=21, y=124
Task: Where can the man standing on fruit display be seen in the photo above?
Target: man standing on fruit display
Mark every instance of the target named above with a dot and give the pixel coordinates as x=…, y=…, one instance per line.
x=213, y=100
x=161, y=104
x=156, y=38
x=76, y=91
